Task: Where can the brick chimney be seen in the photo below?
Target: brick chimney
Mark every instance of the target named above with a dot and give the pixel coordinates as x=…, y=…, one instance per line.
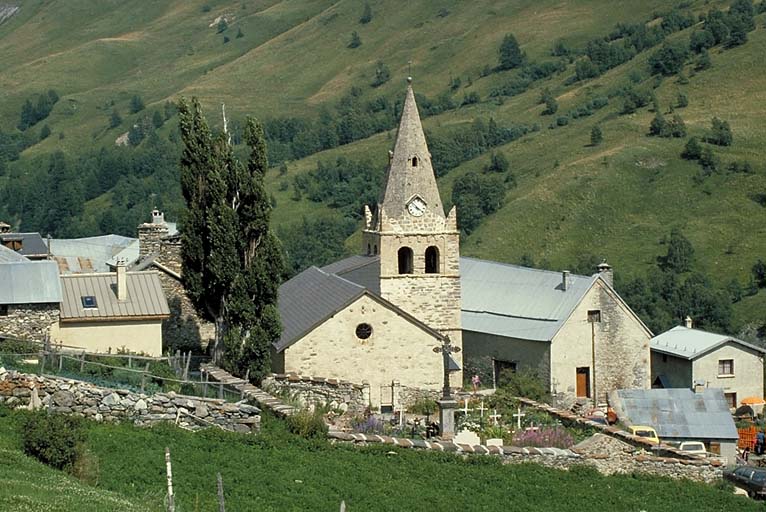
x=564, y=280
x=122, y=280
x=604, y=269
x=688, y=322
x=150, y=234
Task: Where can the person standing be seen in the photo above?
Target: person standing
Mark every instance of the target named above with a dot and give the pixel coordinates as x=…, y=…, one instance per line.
x=475, y=382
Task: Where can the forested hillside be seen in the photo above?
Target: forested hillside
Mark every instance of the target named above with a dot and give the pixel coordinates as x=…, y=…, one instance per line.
x=566, y=132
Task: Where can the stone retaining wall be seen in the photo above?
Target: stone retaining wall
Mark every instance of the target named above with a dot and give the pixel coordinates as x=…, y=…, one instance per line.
x=29, y=321
x=698, y=470
x=318, y=391
x=65, y=396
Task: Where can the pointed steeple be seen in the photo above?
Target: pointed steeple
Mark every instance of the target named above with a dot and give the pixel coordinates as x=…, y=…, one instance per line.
x=410, y=174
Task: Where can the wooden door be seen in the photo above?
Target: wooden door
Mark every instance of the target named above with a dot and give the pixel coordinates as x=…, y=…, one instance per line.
x=583, y=382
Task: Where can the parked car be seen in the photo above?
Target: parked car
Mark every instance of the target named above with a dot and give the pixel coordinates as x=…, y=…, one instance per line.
x=693, y=447
x=647, y=433
x=751, y=479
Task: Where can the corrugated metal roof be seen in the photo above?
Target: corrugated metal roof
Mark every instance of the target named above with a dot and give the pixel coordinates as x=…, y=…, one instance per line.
x=310, y=298
x=92, y=254
x=31, y=243
x=519, y=302
x=10, y=256
x=29, y=282
x=677, y=413
x=145, y=296
x=689, y=343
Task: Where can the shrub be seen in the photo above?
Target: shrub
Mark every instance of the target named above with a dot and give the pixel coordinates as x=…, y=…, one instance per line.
x=423, y=406
x=523, y=383
x=356, y=41
x=544, y=437
x=721, y=133
x=56, y=440
x=596, y=136
x=692, y=150
x=307, y=424
x=669, y=59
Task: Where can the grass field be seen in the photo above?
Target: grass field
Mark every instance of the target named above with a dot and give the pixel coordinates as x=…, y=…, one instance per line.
x=616, y=200
x=278, y=472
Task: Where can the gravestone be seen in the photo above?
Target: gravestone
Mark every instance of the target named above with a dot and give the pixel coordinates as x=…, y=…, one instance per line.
x=467, y=437
x=495, y=442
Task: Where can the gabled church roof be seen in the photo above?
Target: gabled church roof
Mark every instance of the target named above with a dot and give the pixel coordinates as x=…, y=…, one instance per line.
x=497, y=298
x=410, y=172
x=310, y=298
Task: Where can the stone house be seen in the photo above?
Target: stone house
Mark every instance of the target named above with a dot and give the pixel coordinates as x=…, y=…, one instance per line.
x=30, y=294
x=684, y=357
x=159, y=248
x=575, y=331
x=109, y=312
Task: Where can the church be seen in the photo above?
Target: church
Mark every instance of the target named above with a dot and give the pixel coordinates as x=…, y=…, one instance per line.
x=376, y=317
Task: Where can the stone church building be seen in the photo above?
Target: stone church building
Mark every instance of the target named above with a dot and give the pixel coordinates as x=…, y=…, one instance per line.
x=377, y=317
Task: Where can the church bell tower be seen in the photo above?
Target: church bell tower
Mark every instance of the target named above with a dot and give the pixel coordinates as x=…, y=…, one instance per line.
x=419, y=246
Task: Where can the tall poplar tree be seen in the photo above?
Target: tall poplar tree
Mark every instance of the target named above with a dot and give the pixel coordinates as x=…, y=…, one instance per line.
x=232, y=263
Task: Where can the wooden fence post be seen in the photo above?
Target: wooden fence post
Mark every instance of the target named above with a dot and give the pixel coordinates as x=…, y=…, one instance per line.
x=61, y=361
x=169, y=473
x=221, y=502
x=186, y=368
x=220, y=390
x=204, y=388
x=130, y=361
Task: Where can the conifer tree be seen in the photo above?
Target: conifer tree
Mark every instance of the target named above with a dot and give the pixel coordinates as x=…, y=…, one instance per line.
x=596, y=136
x=232, y=263
x=511, y=55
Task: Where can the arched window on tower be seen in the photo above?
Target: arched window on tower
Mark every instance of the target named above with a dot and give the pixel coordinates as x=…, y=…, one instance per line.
x=369, y=249
x=432, y=260
x=405, y=260
x=414, y=161
x=375, y=249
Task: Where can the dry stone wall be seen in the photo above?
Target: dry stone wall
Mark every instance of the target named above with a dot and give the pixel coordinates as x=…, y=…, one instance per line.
x=319, y=391
x=697, y=470
x=64, y=396
x=29, y=321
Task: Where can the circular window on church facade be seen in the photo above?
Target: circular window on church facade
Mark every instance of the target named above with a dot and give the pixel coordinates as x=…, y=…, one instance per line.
x=363, y=331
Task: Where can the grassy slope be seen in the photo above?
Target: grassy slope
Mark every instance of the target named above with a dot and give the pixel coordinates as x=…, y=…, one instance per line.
x=616, y=200
x=276, y=471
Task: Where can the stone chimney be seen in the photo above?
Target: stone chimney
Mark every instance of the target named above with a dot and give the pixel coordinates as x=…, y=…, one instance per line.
x=688, y=322
x=150, y=234
x=604, y=269
x=4, y=228
x=564, y=280
x=122, y=280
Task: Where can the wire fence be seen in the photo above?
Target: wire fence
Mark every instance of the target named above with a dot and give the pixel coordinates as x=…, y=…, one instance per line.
x=179, y=373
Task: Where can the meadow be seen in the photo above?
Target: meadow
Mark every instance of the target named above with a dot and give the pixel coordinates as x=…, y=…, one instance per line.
x=276, y=471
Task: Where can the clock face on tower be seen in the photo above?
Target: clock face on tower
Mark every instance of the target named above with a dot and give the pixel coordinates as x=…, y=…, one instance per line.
x=416, y=207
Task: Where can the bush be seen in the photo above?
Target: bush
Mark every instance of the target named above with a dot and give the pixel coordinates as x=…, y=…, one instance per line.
x=523, y=383
x=424, y=406
x=669, y=59
x=307, y=424
x=56, y=440
x=721, y=133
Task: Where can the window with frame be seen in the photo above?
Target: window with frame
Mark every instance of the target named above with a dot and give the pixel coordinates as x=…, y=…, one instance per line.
x=726, y=367
x=594, y=316
x=731, y=399
x=363, y=331
x=89, y=302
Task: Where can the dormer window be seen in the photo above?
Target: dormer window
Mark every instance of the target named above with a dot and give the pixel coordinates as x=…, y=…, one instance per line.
x=89, y=302
x=414, y=161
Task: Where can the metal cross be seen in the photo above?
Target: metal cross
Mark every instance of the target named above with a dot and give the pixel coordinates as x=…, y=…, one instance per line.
x=446, y=349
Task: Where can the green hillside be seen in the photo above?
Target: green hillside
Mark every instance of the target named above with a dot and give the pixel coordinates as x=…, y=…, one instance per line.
x=572, y=201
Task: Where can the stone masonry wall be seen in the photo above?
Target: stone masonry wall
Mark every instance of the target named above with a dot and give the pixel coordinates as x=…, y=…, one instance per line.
x=319, y=391
x=64, y=396
x=697, y=470
x=29, y=321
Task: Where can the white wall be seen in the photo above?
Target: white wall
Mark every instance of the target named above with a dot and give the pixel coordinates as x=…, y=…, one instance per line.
x=138, y=337
x=748, y=370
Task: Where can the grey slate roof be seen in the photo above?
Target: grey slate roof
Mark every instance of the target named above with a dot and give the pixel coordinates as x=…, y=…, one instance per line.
x=362, y=270
x=690, y=344
x=677, y=413
x=92, y=254
x=32, y=244
x=497, y=298
x=10, y=256
x=308, y=299
x=145, y=297
x=314, y=295
x=29, y=282
x=517, y=302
